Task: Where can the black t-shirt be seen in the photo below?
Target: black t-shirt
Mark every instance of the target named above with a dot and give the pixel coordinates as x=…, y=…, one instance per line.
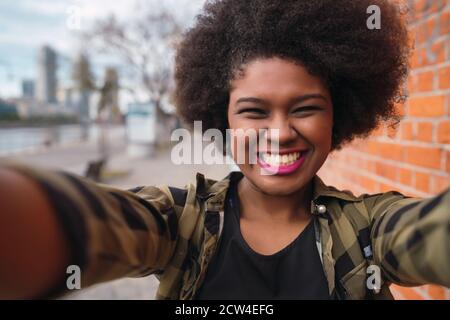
x=238, y=272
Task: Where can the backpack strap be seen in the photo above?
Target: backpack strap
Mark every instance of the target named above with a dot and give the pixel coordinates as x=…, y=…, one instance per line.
x=179, y=196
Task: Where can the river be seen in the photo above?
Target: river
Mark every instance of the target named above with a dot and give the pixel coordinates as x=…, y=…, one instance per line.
x=28, y=139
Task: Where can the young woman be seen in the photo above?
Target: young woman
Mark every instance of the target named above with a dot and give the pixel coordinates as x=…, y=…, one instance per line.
x=314, y=71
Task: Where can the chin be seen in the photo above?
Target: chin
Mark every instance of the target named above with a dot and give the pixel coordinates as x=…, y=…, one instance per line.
x=277, y=185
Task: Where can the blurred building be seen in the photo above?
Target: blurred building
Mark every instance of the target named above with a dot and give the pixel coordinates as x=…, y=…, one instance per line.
x=28, y=107
x=66, y=97
x=83, y=86
x=141, y=129
x=28, y=88
x=46, y=85
x=8, y=110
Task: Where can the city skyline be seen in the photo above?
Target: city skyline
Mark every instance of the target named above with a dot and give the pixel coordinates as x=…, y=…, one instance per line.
x=52, y=23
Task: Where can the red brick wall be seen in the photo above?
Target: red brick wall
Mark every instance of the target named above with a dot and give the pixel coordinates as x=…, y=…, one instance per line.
x=414, y=158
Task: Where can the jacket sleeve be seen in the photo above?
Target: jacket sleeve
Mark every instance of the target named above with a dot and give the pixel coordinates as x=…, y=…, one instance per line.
x=411, y=237
x=113, y=233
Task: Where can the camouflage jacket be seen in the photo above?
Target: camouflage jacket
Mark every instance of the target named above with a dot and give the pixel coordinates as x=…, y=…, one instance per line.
x=173, y=233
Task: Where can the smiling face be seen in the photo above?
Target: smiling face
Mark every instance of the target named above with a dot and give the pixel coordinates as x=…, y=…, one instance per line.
x=277, y=94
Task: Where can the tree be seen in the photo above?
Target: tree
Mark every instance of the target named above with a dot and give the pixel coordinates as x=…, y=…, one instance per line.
x=145, y=46
x=84, y=84
x=82, y=75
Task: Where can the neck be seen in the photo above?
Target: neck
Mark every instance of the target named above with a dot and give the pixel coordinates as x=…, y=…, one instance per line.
x=255, y=205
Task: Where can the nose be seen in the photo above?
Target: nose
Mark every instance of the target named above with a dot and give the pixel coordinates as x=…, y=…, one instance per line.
x=282, y=125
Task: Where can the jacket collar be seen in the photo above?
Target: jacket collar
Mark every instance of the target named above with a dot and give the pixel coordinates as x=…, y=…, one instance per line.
x=215, y=191
x=322, y=190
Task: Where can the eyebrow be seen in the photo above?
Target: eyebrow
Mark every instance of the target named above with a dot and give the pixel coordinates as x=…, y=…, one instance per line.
x=297, y=99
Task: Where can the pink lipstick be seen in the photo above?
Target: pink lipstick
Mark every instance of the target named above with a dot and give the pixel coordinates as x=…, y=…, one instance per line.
x=283, y=163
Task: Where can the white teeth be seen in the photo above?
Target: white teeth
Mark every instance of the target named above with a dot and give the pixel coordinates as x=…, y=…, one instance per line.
x=277, y=160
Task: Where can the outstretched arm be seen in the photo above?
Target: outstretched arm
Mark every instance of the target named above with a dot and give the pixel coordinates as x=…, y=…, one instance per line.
x=34, y=251
x=411, y=238
x=50, y=220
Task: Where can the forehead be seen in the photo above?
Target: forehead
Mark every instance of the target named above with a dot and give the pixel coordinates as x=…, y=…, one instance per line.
x=276, y=76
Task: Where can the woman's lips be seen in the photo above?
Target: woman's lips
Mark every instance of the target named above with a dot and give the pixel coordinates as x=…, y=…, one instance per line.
x=282, y=164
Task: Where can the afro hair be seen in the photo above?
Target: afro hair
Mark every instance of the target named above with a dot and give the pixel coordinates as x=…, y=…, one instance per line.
x=365, y=69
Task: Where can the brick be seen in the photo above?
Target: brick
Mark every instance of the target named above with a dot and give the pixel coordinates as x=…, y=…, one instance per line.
x=369, y=184
x=445, y=22
x=391, y=151
x=433, y=106
x=401, y=109
x=428, y=157
x=407, y=131
x=415, y=293
x=447, y=45
x=378, y=132
x=444, y=78
x=412, y=83
x=447, y=99
x=422, y=182
x=425, y=81
x=405, y=176
x=439, y=184
x=425, y=131
x=387, y=187
x=386, y=171
x=435, y=53
x=426, y=30
x=361, y=163
x=412, y=30
x=393, y=132
x=423, y=8
x=443, y=132
x=414, y=194
x=415, y=60
x=436, y=292
x=370, y=165
x=428, y=54
x=447, y=162
x=421, y=292
x=372, y=147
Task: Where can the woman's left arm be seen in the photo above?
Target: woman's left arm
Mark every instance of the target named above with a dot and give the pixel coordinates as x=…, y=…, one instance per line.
x=411, y=238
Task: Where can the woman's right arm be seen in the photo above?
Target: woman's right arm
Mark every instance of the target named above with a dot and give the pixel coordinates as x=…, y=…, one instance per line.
x=50, y=220
x=34, y=252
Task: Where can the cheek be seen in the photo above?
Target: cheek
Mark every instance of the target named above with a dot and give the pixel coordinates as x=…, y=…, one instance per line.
x=243, y=146
x=235, y=122
x=318, y=131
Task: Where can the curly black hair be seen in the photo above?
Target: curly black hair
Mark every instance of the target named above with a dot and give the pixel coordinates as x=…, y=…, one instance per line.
x=365, y=69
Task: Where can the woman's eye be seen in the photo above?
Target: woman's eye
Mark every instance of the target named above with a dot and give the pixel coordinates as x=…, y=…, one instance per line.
x=255, y=112
x=307, y=108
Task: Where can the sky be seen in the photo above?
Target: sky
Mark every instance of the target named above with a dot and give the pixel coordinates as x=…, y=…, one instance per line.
x=26, y=25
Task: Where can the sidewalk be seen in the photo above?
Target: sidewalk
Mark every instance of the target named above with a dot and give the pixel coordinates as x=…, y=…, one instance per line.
x=140, y=171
